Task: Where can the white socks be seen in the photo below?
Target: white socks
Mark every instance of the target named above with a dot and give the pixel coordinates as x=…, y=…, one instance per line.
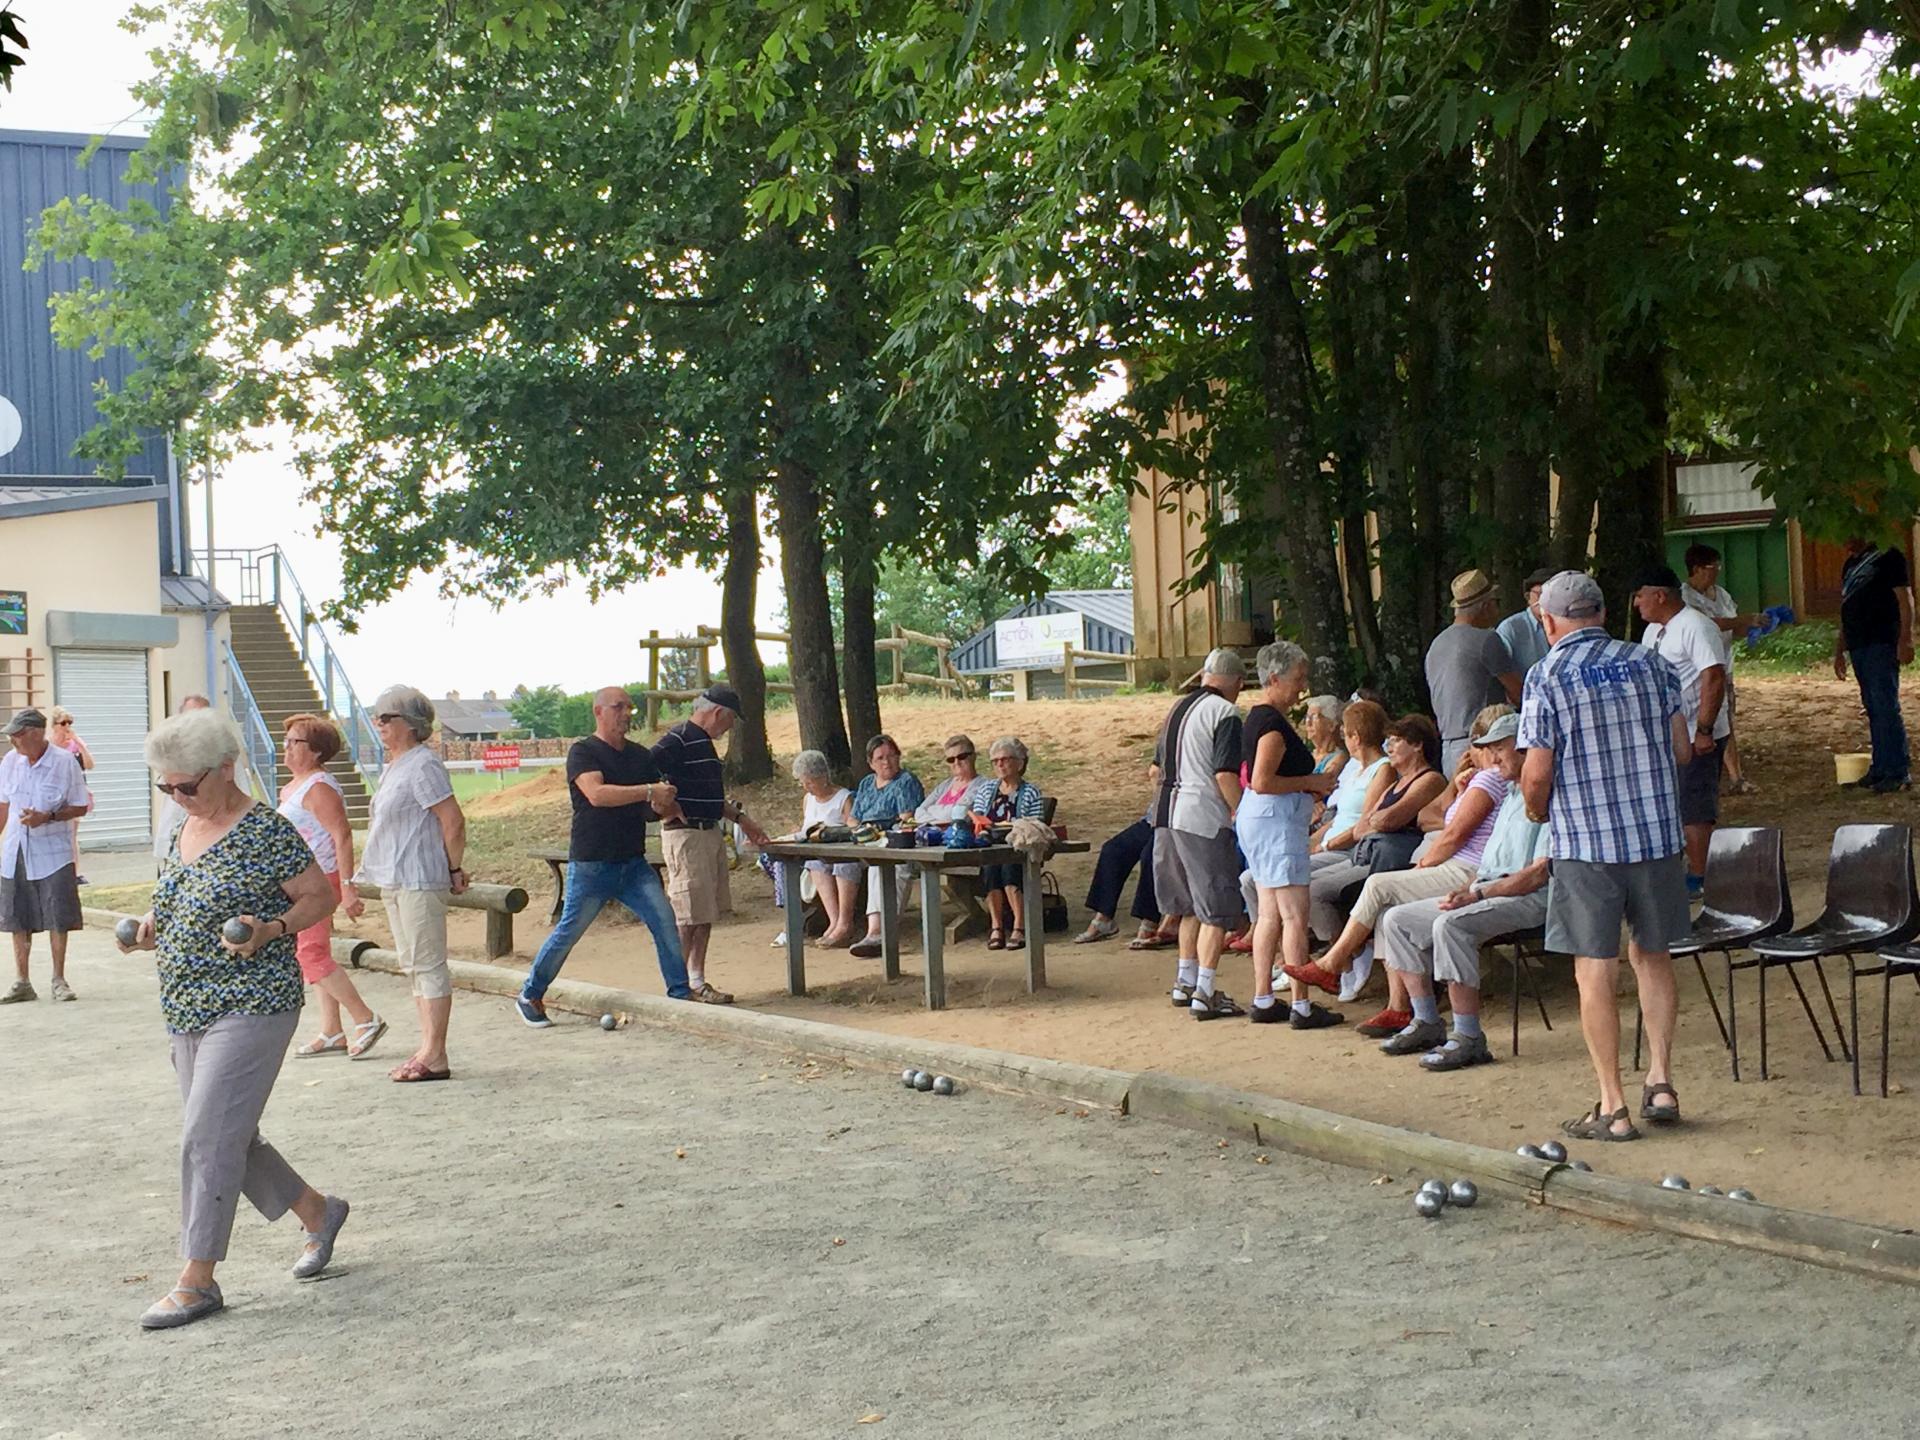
x=1189, y=974
x=1205, y=987
x=1263, y=1002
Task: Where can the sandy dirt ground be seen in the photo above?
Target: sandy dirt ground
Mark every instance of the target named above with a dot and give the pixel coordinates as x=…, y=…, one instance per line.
x=1802, y=1139
x=530, y=1255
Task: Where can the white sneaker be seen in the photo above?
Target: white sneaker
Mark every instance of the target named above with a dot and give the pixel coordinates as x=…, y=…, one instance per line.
x=62, y=990
x=19, y=991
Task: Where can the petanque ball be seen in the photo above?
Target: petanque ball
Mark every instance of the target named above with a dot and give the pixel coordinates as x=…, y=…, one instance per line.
x=1553, y=1150
x=1463, y=1193
x=607, y=1022
x=1709, y=1190
x=1581, y=1165
x=908, y=1076
x=127, y=932
x=922, y=1080
x=1530, y=1152
x=1429, y=1204
x=1673, y=1182
x=1438, y=1187
x=236, y=931
x=1740, y=1192
x=943, y=1085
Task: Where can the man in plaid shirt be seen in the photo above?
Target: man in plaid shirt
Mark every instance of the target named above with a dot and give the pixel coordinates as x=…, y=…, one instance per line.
x=1602, y=724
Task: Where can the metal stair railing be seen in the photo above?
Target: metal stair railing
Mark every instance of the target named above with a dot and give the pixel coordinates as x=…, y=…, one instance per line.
x=266, y=577
x=256, y=736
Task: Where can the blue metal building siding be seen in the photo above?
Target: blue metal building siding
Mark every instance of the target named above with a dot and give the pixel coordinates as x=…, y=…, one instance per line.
x=53, y=387
x=979, y=655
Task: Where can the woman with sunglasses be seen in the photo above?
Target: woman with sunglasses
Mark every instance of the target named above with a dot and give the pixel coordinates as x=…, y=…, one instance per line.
x=1005, y=797
x=230, y=1009
x=415, y=841
x=312, y=800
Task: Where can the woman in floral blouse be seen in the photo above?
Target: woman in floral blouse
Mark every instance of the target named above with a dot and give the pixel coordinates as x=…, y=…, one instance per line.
x=230, y=1009
x=1008, y=796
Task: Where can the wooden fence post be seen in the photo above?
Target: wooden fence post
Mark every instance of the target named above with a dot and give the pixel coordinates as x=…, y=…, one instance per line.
x=899, y=658
x=653, y=683
x=1066, y=669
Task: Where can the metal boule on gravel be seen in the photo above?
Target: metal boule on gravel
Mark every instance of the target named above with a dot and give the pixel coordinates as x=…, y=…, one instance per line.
x=907, y=1077
x=236, y=931
x=1553, y=1150
x=1581, y=1165
x=943, y=1085
x=1673, y=1182
x=1530, y=1152
x=1463, y=1193
x=1434, y=1187
x=127, y=932
x=1710, y=1190
x=1427, y=1203
x=1740, y=1192
x=607, y=1022
x=922, y=1080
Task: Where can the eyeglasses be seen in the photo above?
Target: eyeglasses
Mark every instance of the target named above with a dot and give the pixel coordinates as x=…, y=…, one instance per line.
x=956, y=759
x=298, y=740
x=186, y=789
x=383, y=719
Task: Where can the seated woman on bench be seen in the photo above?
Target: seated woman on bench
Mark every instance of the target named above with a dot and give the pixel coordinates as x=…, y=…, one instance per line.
x=1007, y=797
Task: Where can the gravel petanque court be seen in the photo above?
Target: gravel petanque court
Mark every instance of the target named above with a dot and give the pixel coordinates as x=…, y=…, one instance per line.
x=530, y=1256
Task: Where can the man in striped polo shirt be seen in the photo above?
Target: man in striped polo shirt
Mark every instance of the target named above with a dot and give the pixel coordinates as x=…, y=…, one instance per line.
x=1604, y=729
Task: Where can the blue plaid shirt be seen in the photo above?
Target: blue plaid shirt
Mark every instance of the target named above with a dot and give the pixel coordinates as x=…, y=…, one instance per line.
x=1605, y=708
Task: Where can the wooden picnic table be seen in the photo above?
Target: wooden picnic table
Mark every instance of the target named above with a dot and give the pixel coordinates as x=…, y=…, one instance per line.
x=932, y=862
x=557, y=863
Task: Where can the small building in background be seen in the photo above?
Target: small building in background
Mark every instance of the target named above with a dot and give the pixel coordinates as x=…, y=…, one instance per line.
x=1027, y=645
x=484, y=719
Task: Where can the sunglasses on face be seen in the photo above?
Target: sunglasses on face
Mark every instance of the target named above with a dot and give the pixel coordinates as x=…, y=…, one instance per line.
x=956, y=759
x=186, y=789
x=383, y=719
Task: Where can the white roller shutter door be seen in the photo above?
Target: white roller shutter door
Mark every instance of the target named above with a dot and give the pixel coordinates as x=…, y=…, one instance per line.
x=107, y=692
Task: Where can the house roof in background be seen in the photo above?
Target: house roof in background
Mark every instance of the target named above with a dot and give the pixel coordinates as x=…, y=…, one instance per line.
x=1112, y=608
x=51, y=499
x=474, y=717
x=190, y=592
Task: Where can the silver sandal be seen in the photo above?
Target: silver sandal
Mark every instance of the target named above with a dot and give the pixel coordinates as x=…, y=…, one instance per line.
x=317, y=1247
x=165, y=1314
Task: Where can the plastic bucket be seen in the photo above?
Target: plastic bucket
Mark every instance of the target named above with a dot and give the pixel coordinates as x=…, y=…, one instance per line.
x=1850, y=767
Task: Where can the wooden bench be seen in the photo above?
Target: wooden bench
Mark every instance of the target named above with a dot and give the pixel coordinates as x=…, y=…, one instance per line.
x=501, y=903
x=557, y=863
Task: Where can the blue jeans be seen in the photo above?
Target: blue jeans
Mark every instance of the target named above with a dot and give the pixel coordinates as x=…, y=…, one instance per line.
x=1877, y=668
x=590, y=885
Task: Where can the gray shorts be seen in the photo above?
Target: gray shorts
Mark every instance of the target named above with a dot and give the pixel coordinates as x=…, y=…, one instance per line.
x=1700, y=787
x=28, y=907
x=1587, y=901
x=1198, y=875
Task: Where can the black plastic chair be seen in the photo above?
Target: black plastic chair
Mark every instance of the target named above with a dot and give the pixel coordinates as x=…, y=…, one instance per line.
x=1871, y=904
x=1895, y=960
x=1526, y=948
x=1746, y=899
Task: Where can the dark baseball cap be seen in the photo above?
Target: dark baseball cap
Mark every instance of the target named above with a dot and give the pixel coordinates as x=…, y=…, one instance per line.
x=27, y=719
x=723, y=696
x=1540, y=577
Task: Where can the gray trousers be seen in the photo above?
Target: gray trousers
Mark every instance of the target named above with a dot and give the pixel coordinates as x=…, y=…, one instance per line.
x=226, y=1073
x=1418, y=938
x=1325, y=918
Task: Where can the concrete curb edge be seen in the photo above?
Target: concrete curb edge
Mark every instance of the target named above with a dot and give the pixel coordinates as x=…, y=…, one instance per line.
x=1849, y=1245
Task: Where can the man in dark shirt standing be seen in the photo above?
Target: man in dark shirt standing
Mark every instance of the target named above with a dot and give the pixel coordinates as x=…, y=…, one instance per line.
x=1876, y=630
x=695, y=850
x=615, y=788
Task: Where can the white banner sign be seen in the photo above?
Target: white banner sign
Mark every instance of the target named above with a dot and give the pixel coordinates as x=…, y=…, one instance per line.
x=1033, y=642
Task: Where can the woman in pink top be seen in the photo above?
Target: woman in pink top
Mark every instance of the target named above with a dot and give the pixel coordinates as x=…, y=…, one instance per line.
x=1447, y=859
x=313, y=802
x=61, y=734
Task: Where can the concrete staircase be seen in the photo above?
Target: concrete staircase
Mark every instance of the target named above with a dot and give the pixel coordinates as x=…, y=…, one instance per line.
x=281, y=687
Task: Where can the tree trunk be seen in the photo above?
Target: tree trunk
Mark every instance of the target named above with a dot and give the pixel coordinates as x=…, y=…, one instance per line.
x=803, y=568
x=1520, y=364
x=1633, y=499
x=858, y=631
x=1443, y=256
x=1297, y=485
x=1581, y=452
x=749, y=756
x=1380, y=402
x=1350, y=461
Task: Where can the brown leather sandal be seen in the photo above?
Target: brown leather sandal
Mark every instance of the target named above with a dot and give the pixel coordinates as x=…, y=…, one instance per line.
x=1598, y=1125
x=1659, y=1114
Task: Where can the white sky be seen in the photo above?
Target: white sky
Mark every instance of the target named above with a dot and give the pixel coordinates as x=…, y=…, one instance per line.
x=79, y=68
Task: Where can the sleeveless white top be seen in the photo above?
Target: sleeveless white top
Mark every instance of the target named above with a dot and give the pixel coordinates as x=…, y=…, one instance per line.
x=311, y=830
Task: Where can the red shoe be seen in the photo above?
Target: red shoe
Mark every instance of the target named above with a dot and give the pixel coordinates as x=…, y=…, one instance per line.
x=1311, y=974
x=1387, y=1022
x=1241, y=944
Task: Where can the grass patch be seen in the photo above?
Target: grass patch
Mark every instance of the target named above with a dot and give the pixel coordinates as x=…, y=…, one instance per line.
x=128, y=899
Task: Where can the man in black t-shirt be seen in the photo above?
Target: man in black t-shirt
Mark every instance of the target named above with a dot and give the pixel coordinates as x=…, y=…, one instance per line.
x=1876, y=631
x=615, y=789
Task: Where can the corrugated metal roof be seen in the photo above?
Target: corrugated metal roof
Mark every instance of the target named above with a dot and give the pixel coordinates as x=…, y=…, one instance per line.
x=1109, y=626
x=190, y=592
x=474, y=717
x=19, y=500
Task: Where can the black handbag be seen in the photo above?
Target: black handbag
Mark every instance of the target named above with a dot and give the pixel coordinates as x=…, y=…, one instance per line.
x=1053, y=906
x=1384, y=853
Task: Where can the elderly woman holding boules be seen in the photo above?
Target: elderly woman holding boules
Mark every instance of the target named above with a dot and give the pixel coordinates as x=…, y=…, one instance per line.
x=415, y=842
x=231, y=1005
x=1005, y=797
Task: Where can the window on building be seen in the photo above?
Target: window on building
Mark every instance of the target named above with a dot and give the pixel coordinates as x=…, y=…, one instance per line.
x=1720, y=488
